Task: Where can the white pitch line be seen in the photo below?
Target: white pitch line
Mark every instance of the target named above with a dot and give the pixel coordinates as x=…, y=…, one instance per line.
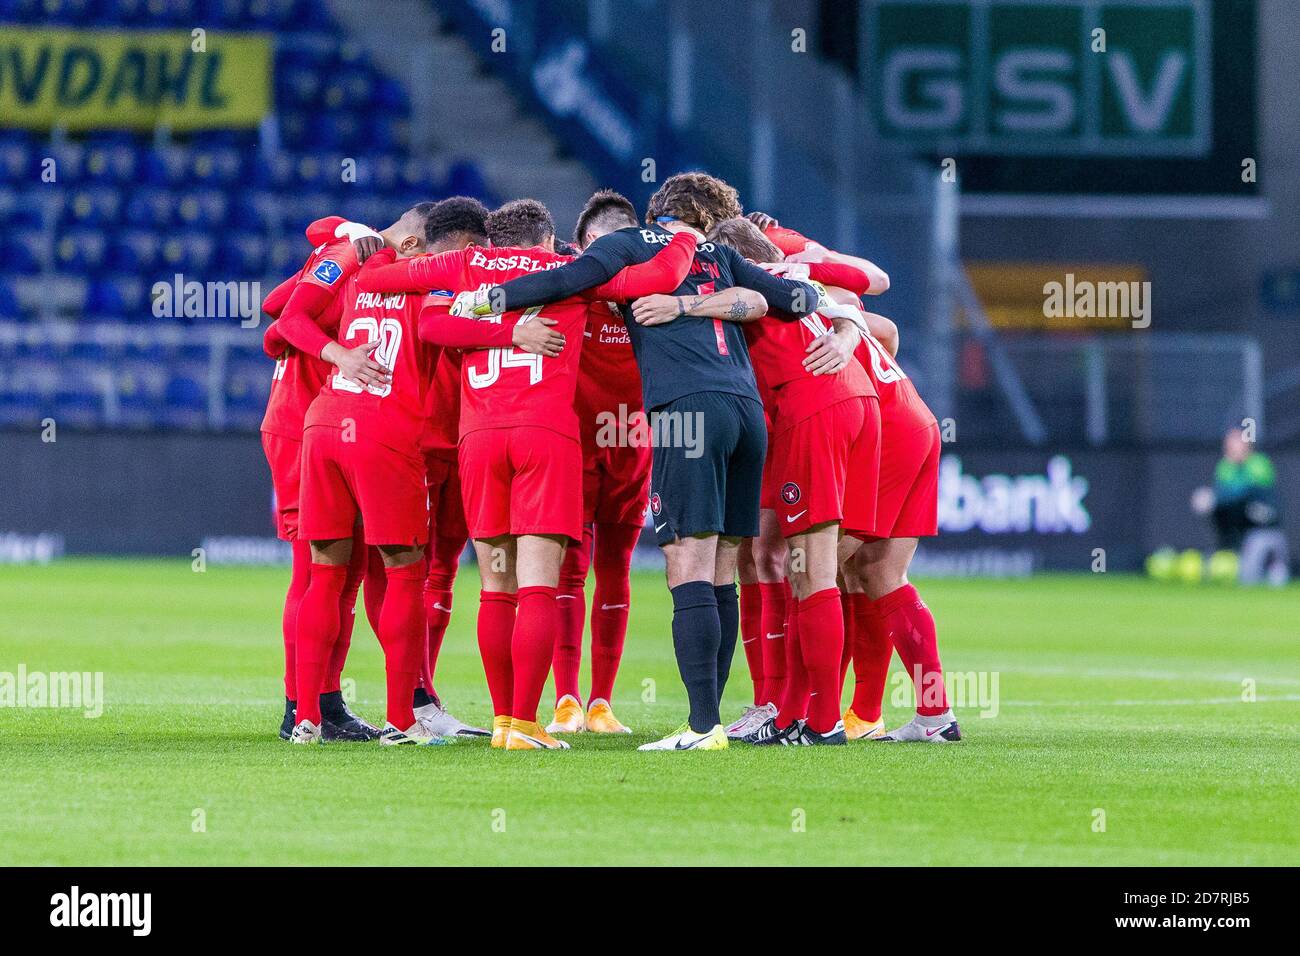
x=1064, y=671
x=1202, y=702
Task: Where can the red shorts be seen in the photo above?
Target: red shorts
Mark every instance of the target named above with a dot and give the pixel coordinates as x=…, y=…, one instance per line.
x=908, y=501
x=616, y=485
x=825, y=468
x=522, y=480
x=446, y=509
x=341, y=479
x=284, y=455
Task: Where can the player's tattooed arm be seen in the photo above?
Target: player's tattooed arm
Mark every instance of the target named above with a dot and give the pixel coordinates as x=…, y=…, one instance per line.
x=732, y=305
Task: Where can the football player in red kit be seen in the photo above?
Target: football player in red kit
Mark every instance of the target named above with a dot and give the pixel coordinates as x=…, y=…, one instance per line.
x=453, y=223
x=824, y=454
x=520, y=458
x=360, y=460
x=297, y=379
x=615, y=489
x=884, y=609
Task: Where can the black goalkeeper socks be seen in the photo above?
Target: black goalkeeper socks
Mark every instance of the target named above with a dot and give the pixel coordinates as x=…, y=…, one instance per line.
x=729, y=622
x=331, y=705
x=696, y=636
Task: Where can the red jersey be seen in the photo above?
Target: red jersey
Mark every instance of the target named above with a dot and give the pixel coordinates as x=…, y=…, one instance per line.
x=607, y=372
x=442, y=406
x=298, y=377
x=901, y=405
x=391, y=414
x=503, y=387
x=789, y=391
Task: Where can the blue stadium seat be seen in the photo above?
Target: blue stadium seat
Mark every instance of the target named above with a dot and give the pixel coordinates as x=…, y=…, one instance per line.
x=99, y=206
x=21, y=259
x=153, y=208
x=111, y=163
x=17, y=157
x=21, y=409
x=8, y=302
x=213, y=205
x=216, y=166
x=134, y=251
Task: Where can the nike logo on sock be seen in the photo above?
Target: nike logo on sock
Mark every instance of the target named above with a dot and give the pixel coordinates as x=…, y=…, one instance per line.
x=439, y=607
x=773, y=637
x=612, y=607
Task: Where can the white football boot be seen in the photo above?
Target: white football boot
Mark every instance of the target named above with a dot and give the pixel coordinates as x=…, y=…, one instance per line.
x=442, y=724
x=305, y=732
x=939, y=729
x=415, y=735
x=686, y=739
x=750, y=720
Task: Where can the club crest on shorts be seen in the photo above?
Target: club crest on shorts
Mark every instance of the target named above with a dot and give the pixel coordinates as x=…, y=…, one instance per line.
x=656, y=503
x=790, y=493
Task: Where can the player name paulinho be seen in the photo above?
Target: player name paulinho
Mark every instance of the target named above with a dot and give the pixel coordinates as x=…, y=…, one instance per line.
x=75, y=908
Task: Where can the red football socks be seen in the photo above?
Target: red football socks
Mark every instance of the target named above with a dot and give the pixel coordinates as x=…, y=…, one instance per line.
x=376, y=583
x=794, y=702
x=871, y=652
x=912, y=631
x=299, y=580
x=772, y=634
x=318, y=628
x=496, y=625
x=612, y=561
x=571, y=609
x=347, y=615
x=444, y=562
x=531, y=648
x=401, y=634
x=751, y=636
x=821, y=642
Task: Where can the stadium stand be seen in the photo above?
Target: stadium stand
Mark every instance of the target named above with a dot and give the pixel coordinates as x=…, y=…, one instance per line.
x=116, y=211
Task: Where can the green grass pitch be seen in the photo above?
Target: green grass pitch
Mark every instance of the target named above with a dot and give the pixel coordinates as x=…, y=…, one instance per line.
x=1116, y=697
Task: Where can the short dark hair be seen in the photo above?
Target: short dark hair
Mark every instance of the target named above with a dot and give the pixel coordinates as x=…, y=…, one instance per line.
x=420, y=213
x=604, y=208
x=459, y=215
x=747, y=239
x=520, y=223
x=697, y=199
